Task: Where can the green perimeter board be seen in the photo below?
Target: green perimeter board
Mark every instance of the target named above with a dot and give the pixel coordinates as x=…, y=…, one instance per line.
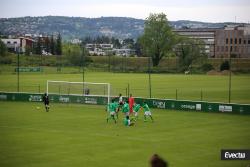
x=29, y=69
x=154, y=103
x=37, y=97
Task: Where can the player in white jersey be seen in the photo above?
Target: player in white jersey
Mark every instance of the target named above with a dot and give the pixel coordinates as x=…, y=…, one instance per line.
x=120, y=99
x=121, y=102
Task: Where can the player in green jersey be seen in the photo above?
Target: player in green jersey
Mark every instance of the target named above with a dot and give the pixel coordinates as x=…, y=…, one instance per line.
x=147, y=112
x=127, y=121
x=111, y=108
x=116, y=105
x=125, y=108
x=136, y=109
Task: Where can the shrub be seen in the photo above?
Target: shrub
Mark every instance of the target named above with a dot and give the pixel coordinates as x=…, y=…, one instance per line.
x=3, y=49
x=207, y=67
x=224, y=66
x=5, y=60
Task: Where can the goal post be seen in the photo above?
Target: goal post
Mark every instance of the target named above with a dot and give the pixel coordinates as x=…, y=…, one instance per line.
x=79, y=88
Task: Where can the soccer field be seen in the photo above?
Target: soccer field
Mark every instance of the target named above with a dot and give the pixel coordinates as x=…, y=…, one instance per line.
x=189, y=87
x=78, y=135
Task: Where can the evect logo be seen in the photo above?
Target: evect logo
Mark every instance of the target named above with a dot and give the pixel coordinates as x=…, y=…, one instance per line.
x=159, y=104
x=235, y=154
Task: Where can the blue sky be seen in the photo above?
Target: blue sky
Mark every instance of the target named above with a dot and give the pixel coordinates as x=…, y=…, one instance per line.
x=200, y=10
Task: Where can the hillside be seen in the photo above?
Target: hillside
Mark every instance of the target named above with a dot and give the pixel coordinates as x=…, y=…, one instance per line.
x=79, y=27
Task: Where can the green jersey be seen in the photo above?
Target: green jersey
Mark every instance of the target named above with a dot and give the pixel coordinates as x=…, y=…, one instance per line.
x=145, y=107
x=126, y=122
x=125, y=108
x=137, y=107
x=116, y=105
x=111, y=107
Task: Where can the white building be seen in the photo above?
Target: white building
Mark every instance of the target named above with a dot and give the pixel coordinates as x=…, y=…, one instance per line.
x=124, y=52
x=12, y=44
x=76, y=41
x=107, y=49
x=99, y=49
x=206, y=35
x=106, y=46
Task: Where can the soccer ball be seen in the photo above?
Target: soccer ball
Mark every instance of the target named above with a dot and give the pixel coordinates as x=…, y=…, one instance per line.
x=37, y=108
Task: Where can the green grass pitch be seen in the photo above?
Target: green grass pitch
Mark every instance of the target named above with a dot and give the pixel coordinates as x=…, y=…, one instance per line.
x=78, y=135
x=215, y=88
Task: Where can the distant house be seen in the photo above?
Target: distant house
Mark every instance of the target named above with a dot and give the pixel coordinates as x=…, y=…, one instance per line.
x=14, y=43
x=26, y=42
x=106, y=46
x=99, y=49
x=108, y=49
x=76, y=41
x=44, y=42
x=124, y=52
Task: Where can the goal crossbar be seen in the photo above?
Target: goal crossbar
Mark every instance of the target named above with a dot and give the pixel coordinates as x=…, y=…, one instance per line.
x=95, y=83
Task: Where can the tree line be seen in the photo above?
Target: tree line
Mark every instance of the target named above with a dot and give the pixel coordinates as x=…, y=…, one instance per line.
x=50, y=45
x=158, y=41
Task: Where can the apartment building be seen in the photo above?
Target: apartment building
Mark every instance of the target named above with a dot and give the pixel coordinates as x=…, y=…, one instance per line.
x=231, y=40
x=206, y=35
x=13, y=44
x=234, y=41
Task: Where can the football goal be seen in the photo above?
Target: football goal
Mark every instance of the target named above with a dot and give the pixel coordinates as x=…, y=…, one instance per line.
x=78, y=88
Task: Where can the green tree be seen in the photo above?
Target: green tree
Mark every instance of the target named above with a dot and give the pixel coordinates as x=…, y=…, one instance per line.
x=75, y=55
x=138, y=48
x=188, y=51
x=28, y=50
x=59, y=45
x=225, y=65
x=129, y=43
x=116, y=42
x=4, y=56
x=87, y=40
x=47, y=44
x=3, y=49
x=39, y=46
x=158, y=39
x=52, y=45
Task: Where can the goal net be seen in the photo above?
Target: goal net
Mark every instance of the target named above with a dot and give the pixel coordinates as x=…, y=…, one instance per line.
x=78, y=88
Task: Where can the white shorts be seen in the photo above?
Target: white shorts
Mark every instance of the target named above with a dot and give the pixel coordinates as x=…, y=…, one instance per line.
x=147, y=113
x=126, y=113
x=112, y=113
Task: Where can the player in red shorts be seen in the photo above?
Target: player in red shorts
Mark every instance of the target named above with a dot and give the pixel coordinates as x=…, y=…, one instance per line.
x=131, y=102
